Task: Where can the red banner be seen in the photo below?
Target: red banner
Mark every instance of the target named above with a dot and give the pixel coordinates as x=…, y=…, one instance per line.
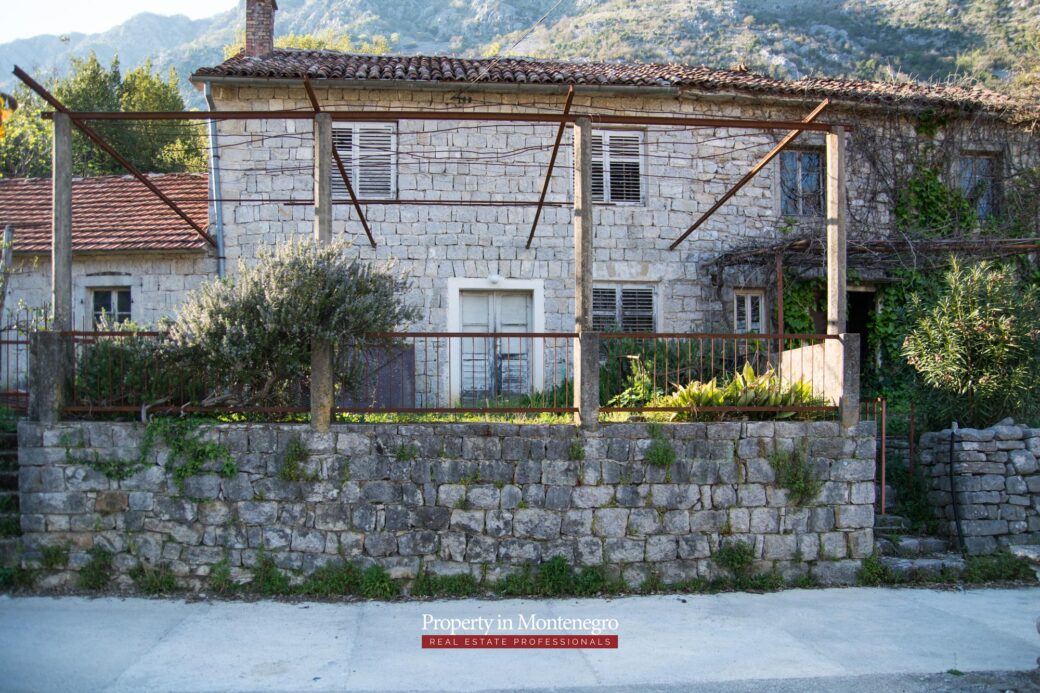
x=512, y=642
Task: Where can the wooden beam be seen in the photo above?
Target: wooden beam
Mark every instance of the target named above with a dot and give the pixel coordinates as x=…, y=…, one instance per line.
x=836, y=239
x=107, y=148
x=491, y=116
x=339, y=164
x=552, y=163
x=788, y=138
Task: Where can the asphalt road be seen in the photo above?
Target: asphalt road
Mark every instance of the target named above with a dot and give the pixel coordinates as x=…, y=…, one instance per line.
x=797, y=640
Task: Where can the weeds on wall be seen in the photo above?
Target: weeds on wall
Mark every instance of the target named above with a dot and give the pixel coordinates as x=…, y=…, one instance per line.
x=154, y=580
x=296, y=454
x=97, y=573
x=188, y=452
x=998, y=567
x=794, y=472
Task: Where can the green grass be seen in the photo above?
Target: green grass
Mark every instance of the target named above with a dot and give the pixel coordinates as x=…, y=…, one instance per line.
x=54, y=557
x=97, y=573
x=10, y=527
x=332, y=580
x=430, y=585
x=154, y=579
x=998, y=567
x=16, y=577
x=220, y=580
x=296, y=454
x=736, y=557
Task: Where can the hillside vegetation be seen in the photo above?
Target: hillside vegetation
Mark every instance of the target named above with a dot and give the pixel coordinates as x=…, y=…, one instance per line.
x=988, y=40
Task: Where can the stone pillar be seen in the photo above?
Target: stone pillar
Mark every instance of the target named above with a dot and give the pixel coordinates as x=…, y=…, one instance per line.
x=49, y=361
x=586, y=356
x=322, y=386
x=849, y=403
x=61, y=243
x=836, y=284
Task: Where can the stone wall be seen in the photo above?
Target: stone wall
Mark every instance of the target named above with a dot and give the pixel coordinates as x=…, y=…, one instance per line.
x=996, y=484
x=454, y=497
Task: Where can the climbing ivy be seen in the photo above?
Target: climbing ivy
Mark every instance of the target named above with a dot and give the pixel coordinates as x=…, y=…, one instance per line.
x=189, y=452
x=802, y=297
x=927, y=206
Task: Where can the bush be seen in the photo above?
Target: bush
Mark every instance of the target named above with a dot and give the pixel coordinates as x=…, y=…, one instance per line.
x=256, y=329
x=794, y=472
x=98, y=571
x=976, y=349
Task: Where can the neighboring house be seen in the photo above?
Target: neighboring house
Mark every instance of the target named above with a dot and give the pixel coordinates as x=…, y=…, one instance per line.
x=133, y=258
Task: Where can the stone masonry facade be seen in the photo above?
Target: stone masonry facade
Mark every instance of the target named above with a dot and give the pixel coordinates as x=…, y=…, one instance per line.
x=996, y=484
x=455, y=498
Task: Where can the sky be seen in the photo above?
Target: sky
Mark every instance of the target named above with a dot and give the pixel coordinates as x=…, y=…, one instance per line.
x=25, y=19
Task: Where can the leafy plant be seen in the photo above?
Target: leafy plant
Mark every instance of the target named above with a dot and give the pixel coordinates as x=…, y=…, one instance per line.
x=268, y=580
x=794, y=472
x=660, y=452
x=736, y=557
x=927, y=206
x=977, y=349
x=744, y=389
x=220, y=580
x=576, y=451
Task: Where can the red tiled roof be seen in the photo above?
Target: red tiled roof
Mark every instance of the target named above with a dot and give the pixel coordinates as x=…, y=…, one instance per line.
x=295, y=64
x=109, y=213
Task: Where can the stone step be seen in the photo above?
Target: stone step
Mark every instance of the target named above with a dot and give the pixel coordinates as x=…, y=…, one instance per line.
x=1032, y=554
x=890, y=495
x=890, y=524
x=909, y=547
x=10, y=551
x=923, y=565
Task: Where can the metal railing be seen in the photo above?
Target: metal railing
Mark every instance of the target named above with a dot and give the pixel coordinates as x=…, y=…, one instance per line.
x=658, y=364
x=14, y=356
x=467, y=373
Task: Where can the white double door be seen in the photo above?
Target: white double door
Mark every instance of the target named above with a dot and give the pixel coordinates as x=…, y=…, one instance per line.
x=495, y=366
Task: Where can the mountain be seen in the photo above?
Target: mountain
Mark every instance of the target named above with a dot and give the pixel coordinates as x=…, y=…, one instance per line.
x=877, y=39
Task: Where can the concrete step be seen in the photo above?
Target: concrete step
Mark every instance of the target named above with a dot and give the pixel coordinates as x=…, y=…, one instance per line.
x=923, y=565
x=911, y=546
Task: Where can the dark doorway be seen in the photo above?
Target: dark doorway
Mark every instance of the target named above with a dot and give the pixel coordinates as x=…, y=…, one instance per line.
x=860, y=311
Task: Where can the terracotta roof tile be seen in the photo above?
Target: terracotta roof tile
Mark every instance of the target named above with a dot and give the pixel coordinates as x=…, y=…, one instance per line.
x=294, y=64
x=109, y=213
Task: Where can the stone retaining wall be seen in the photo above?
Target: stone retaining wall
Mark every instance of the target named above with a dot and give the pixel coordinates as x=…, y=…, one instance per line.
x=478, y=498
x=996, y=481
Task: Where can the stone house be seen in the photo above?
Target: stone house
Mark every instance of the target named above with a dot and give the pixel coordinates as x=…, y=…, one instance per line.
x=452, y=202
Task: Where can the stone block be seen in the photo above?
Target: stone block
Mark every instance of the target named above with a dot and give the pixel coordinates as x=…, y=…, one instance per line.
x=661, y=548
x=643, y=521
x=471, y=521
x=535, y=523
x=624, y=550
x=380, y=544
x=592, y=496
x=610, y=522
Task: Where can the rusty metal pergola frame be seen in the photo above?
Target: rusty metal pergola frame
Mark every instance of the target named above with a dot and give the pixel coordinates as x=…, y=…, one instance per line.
x=562, y=120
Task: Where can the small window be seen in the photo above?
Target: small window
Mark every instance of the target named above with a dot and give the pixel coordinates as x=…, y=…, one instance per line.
x=748, y=312
x=112, y=305
x=801, y=183
x=369, y=154
x=617, y=161
x=978, y=183
x=623, y=308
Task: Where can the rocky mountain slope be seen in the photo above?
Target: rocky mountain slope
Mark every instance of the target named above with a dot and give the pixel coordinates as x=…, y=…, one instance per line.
x=921, y=39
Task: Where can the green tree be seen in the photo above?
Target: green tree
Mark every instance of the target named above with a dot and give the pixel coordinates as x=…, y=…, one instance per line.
x=976, y=347
x=159, y=146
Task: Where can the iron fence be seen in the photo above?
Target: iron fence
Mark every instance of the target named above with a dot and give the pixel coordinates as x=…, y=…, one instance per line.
x=735, y=372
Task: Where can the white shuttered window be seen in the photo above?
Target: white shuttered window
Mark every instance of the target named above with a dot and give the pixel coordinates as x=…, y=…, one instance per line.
x=617, y=163
x=624, y=308
x=369, y=154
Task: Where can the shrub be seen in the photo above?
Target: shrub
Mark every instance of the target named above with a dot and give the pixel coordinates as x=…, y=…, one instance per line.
x=268, y=580
x=745, y=389
x=333, y=579
x=257, y=328
x=977, y=348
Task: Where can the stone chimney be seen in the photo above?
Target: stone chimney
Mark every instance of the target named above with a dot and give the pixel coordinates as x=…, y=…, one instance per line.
x=260, y=27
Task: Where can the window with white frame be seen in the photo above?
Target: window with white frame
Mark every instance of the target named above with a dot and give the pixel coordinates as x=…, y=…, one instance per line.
x=977, y=176
x=801, y=182
x=617, y=166
x=617, y=307
x=369, y=155
x=749, y=311
x=111, y=305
